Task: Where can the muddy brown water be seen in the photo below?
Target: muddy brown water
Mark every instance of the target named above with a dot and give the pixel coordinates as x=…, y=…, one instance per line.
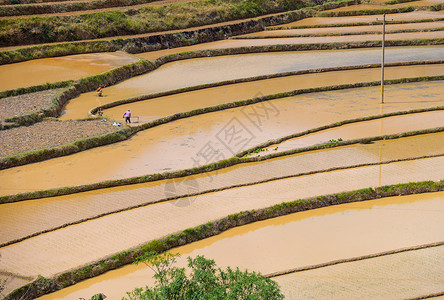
x=385, y=126
x=22, y=219
x=350, y=29
x=296, y=240
x=40, y=71
x=185, y=143
x=415, y=15
x=163, y=106
x=216, y=69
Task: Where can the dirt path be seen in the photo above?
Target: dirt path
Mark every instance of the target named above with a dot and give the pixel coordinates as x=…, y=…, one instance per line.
x=276, y=243
x=155, y=150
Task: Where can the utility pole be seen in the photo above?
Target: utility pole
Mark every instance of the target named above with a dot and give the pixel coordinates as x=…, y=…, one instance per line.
x=383, y=58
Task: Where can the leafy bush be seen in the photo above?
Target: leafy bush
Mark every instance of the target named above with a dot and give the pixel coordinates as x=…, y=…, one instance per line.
x=205, y=281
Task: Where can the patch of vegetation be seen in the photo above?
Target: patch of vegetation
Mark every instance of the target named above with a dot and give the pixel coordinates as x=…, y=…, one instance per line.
x=205, y=281
x=363, y=12
x=42, y=285
x=49, y=29
x=353, y=24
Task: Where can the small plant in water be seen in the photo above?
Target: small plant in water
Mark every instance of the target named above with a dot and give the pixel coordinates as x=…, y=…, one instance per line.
x=334, y=142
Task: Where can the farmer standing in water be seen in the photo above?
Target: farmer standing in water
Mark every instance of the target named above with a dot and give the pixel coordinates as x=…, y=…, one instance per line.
x=127, y=116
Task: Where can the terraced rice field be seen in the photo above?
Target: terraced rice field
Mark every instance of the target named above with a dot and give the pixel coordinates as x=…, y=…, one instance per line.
x=266, y=116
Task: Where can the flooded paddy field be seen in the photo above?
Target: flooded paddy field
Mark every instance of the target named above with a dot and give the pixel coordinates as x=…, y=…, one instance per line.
x=345, y=30
x=168, y=105
x=40, y=71
x=410, y=16
x=299, y=240
x=52, y=235
x=239, y=43
x=216, y=69
x=404, y=275
x=385, y=126
x=23, y=219
x=80, y=244
x=140, y=155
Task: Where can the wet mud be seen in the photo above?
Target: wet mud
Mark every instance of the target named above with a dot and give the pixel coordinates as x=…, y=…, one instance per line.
x=297, y=240
x=204, y=139
x=40, y=71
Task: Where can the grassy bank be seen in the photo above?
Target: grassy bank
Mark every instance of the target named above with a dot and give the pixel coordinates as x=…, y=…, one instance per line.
x=257, y=159
x=49, y=29
x=73, y=89
x=42, y=286
x=254, y=78
x=44, y=154
x=284, y=27
x=50, y=8
x=337, y=33
x=238, y=159
x=363, y=12
x=160, y=41
x=119, y=74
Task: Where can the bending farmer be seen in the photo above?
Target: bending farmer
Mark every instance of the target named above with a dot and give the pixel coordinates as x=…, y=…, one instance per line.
x=127, y=116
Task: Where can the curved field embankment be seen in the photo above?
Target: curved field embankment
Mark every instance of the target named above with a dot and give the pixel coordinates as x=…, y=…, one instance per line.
x=409, y=17
x=42, y=285
x=126, y=133
x=77, y=227
x=143, y=20
x=354, y=30
x=150, y=42
x=351, y=131
x=141, y=67
x=67, y=7
x=32, y=219
x=280, y=239
x=361, y=277
x=143, y=158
